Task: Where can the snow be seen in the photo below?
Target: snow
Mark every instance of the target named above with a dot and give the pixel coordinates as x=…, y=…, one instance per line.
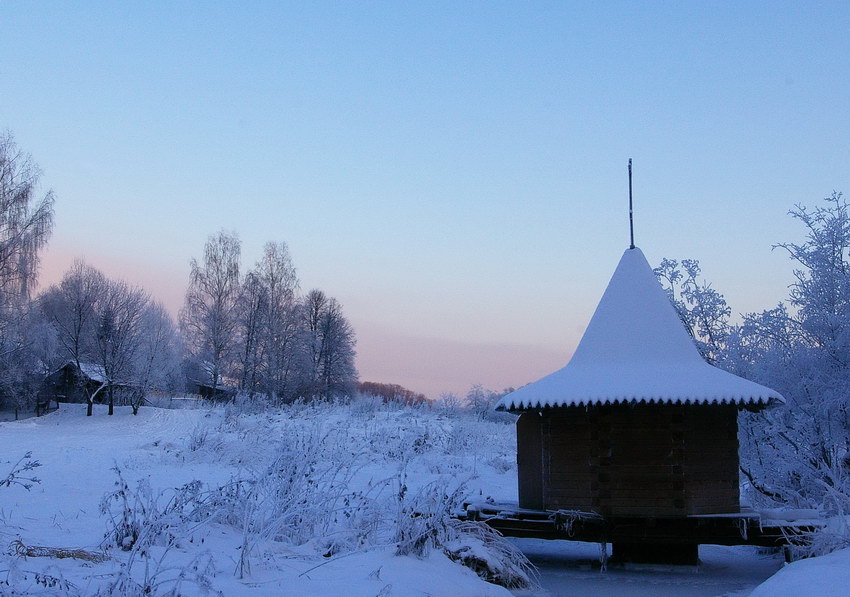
x=824, y=576
x=635, y=349
x=93, y=371
x=569, y=568
x=170, y=448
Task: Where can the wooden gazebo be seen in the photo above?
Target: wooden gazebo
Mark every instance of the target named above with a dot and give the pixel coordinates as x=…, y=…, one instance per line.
x=637, y=425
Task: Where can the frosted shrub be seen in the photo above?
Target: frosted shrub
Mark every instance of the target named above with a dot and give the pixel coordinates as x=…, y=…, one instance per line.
x=154, y=575
x=482, y=402
x=150, y=526
x=197, y=437
x=835, y=508
x=140, y=518
x=483, y=550
x=18, y=582
x=502, y=464
x=364, y=406
x=425, y=521
x=303, y=494
x=250, y=403
x=21, y=473
x=312, y=476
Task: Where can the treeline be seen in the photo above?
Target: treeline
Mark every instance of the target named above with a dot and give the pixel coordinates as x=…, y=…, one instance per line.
x=253, y=333
x=257, y=334
x=391, y=392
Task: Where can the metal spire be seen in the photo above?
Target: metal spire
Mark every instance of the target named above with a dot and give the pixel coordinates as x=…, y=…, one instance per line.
x=631, y=218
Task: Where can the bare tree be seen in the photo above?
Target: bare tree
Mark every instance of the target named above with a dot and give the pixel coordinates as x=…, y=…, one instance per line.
x=330, y=346
x=25, y=222
x=70, y=308
x=281, y=331
x=209, y=315
x=119, y=318
x=27, y=346
x=25, y=226
x=253, y=312
x=269, y=325
x=158, y=360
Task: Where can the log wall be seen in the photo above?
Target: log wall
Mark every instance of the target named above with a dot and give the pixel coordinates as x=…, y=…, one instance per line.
x=630, y=460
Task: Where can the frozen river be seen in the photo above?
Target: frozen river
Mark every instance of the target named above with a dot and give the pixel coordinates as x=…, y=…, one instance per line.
x=571, y=568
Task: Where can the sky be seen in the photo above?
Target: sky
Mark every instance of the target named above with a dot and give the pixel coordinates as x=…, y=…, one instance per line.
x=453, y=173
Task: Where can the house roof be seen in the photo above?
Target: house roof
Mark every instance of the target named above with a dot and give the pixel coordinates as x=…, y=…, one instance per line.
x=92, y=371
x=636, y=349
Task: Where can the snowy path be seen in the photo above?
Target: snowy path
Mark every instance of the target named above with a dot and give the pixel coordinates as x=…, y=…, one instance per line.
x=569, y=568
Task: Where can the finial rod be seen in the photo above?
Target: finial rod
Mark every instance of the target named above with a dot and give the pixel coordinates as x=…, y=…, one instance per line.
x=631, y=217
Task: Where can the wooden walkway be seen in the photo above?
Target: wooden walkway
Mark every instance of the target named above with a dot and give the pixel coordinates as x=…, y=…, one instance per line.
x=746, y=527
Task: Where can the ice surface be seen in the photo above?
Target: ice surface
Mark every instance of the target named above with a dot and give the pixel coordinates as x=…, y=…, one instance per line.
x=571, y=568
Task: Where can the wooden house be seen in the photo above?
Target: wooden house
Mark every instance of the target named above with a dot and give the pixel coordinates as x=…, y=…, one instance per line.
x=70, y=383
x=219, y=393
x=637, y=424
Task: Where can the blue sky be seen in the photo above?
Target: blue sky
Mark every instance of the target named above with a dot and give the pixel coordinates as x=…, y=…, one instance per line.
x=454, y=173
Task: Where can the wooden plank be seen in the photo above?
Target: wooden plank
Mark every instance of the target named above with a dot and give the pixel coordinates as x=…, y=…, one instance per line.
x=641, y=494
x=572, y=477
x=645, y=512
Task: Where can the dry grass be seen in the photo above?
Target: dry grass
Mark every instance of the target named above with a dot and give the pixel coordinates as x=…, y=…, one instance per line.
x=39, y=551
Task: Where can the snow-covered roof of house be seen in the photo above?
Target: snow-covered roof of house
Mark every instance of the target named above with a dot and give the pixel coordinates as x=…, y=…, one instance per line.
x=636, y=349
x=93, y=371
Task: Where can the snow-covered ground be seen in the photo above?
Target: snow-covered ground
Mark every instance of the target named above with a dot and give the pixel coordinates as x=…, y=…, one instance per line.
x=309, y=500
x=384, y=458
x=825, y=576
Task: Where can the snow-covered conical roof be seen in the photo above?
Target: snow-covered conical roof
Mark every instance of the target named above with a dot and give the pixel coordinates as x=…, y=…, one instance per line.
x=636, y=349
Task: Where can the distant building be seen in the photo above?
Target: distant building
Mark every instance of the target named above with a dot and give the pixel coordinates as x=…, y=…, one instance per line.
x=220, y=393
x=70, y=383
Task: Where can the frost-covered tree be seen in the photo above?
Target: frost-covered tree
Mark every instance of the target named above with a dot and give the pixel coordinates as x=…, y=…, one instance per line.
x=801, y=454
x=26, y=221
x=69, y=307
x=701, y=308
x=114, y=329
x=210, y=314
x=268, y=323
x=157, y=364
x=118, y=334
x=259, y=332
x=27, y=348
x=252, y=315
x=281, y=335
x=330, y=347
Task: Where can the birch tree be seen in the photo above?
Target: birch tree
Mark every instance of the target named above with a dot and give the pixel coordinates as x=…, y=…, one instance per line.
x=269, y=326
x=209, y=317
x=119, y=313
x=26, y=221
x=253, y=313
x=281, y=334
